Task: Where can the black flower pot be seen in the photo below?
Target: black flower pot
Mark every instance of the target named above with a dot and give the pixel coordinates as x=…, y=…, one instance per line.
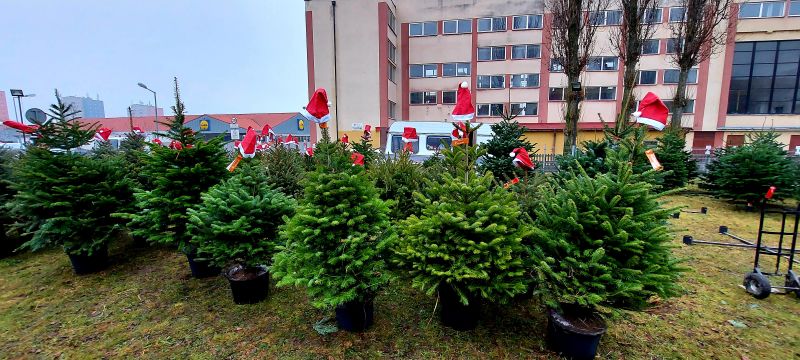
x=454, y=313
x=355, y=316
x=84, y=264
x=248, y=286
x=571, y=341
x=201, y=268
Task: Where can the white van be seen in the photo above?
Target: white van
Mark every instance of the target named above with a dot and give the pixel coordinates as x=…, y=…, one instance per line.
x=431, y=135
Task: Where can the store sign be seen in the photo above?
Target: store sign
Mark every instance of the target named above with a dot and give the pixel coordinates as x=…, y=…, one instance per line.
x=358, y=126
x=203, y=125
x=301, y=124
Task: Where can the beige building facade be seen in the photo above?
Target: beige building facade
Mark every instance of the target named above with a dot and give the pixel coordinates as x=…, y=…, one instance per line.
x=388, y=60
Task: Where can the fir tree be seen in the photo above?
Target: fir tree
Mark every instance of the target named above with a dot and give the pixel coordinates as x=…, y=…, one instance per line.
x=285, y=169
x=364, y=147
x=238, y=219
x=469, y=235
x=63, y=131
x=333, y=244
x=508, y=135
x=178, y=177
x=9, y=240
x=672, y=155
x=397, y=179
x=745, y=173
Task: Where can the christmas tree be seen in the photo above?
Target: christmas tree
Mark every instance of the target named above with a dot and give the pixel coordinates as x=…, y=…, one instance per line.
x=672, y=155
x=9, y=240
x=285, y=169
x=179, y=174
x=745, y=173
x=396, y=179
x=335, y=241
x=508, y=135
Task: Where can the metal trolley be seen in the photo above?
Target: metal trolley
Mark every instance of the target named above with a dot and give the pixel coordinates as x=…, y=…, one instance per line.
x=757, y=281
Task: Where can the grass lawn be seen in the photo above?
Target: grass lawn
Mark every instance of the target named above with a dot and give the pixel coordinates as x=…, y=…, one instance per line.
x=147, y=306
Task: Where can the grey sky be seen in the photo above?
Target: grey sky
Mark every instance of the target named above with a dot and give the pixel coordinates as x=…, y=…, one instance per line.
x=231, y=56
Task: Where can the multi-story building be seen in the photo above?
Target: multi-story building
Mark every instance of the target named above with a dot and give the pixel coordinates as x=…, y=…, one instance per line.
x=145, y=110
x=3, y=107
x=385, y=60
x=88, y=107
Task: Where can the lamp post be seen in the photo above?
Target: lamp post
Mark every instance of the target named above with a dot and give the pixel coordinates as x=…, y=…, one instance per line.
x=19, y=94
x=155, y=100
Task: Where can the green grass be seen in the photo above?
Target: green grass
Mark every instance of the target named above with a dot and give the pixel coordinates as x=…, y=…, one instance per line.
x=147, y=306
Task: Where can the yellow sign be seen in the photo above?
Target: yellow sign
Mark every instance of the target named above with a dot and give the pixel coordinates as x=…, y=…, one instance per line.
x=203, y=125
x=301, y=124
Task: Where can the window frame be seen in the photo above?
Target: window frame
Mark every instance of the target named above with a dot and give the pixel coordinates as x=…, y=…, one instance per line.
x=458, y=65
x=761, y=10
x=603, y=63
x=392, y=72
x=425, y=68
x=535, y=104
x=696, y=72
x=398, y=144
x=425, y=96
x=392, y=110
x=458, y=27
x=392, y=21
x=392, y=52
x=528, y=47
x=660, y=17
x=491, y=106
x=447, y=138
x=691, y=102
x=491, y=82
x=794, y=4
x=529, y=75
x=422, y=34
x=559, y=90
x=658, y=47
x=454, y=97
x=683, y=16
x=491, y=53
x=639, y=77
x=492, y=26
x=605, y=17
x=599, y=93
x=527, y=22
x=556, y=66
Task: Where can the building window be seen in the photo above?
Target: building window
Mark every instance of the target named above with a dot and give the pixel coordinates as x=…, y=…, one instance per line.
x=434, y=142
x=765, y=9
x=457, y=27
x=491, y=53
x=794, y=8
x=652, y=16
x=392, y=72
x=671, y=76
x=392, y=110
x=423, y=98
x=524, y=80
x=490, y=109
x=605, y=18
x=646, y=77
x=525, y=22
x=600, y=93
x=529, y=51
x=556, y=66
x=392, y=22
x=422, y=70
x=602, y=63
x=764, y=78
x=556, y=94
x=687, y=109
x=673, y=46
x=456, y=69
x=491, y=81
x=448, y=97
x=428, y=28
x=677, y=14
x=492, y=24
x=524, y=109
x=650, y=47
x=398, y=144
x=392, y=52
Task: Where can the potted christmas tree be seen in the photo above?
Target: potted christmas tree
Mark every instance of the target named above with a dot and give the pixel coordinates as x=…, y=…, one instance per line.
x=467, y=243
x=599, y=242
x=335, y=241
x=236, y=228
x=64, y=198
x=177, y=175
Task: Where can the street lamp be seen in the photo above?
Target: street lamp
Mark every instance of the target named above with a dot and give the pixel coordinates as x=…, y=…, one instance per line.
x=19, y=94
x=155, y=100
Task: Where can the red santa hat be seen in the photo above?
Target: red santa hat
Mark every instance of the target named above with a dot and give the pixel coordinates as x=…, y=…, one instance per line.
x=464, y=109
x=247, y=148
x=290, y=140
x=410, y=135
x=652, y=111
x=158, y=142
x=267, y=131
x=102, y=134
x=137, y=130
x=317, y=108
x=345, y=139
x=176, y=145
x=460, y=131
x=310, y=151
x=357, y=158
x=522, y=159
x=20, y=126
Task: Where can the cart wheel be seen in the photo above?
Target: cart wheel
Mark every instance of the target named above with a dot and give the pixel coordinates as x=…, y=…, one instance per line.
x=792, y=284
x=757, y=285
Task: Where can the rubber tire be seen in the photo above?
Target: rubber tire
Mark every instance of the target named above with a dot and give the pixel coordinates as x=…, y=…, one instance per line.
x=757, y=285
x=791, y=283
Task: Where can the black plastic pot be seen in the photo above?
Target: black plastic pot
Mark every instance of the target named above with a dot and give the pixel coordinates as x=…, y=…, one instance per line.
x=86, y=264
x=355, y=316
x=454, y=313
x=571, y=341
x=248, y=291
x=201, y=268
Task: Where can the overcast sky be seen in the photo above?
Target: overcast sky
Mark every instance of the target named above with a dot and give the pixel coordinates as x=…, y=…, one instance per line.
x=232, y=56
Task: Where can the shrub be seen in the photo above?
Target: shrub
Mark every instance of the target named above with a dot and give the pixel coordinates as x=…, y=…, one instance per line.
x=469, y=236
x=508, y=135
x=603, y=241
x=284, y=169
x=334, y=242
x=673, y=157
x=396, y=179
x=745, y=173
x=9, y=240
x=238, y=219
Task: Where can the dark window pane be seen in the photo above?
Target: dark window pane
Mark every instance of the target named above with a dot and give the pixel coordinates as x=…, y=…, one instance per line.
x=463, y=69
x=766, y=45
x=485, y=24
x=448, y=69
x=759, y=107
x=535, y=22
x=764, y=57
x=671, y=76
x=499, y=24
x=786, y=69
x=650, y=47
x=785, y=82
x=415, y=29
x=742, y=57
x=497, y=109
x=518, y=52
x=498, y=53
x=692, y=78
x=763, y=69
x=483, y=109
x=497, y=82
x=743, y=46
x=430, y=97
x=782, y=107
x=556, y=94
x=520, y=22
x=737, y=102
x=464, y=26
x=741, y=70
x=448, y=97
x=788, y=55
x=608, y=93
x=450, y=27
x=762, y=95
x=595, y=63
x=484, y=53
x=740, y=83
x=431, y=28
x=647, y=77
x=782, y=95
x=483, y=82
x=764, y=82
x=791, y=44
x=416, y=98
x=592, y=93
x=750, y=10
x=416, y=71
x=613, y=17
x=437, y=142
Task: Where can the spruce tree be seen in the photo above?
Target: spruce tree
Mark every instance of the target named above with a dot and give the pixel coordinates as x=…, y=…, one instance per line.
x=364, y=147
x=285, y=169
x=672, y=155
x=178, y=178
x=508, y=135
x=335, y=241
x=9, y=240
x=745, y=173
x=468, y=236
x=396, y=179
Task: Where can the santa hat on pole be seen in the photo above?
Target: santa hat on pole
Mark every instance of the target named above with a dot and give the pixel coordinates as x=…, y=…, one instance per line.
x=102, y=134
x=410, y=135
x=137, y=130
x=290, y=140
x=267, y=131
x=175, y=145
x=317, y=108
x=357, y=158
x=247, y=148
x=345, y=139
x=20, y=126
x=464, y=109
x=522, y=159
x=157, y=141
x=652, y=111
x=310, y=151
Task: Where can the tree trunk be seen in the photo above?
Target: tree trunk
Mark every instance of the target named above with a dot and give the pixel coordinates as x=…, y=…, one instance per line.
x=628, y=83
x=571, y=119
x=679, y=100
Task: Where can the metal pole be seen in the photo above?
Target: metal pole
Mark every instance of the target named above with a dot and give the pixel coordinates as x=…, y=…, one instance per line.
x=155, y=110
x=21, y=119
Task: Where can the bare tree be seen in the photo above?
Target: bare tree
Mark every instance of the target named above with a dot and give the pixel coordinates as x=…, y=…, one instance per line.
x=638, y=24
x=700, y=35
x=571, y=41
